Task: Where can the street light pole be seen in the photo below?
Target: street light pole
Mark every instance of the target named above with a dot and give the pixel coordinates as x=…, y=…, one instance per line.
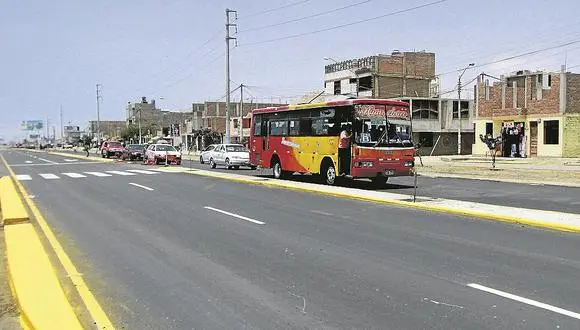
x=459, y=107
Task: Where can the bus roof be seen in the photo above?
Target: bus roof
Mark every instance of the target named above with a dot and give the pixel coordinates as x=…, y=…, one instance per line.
x=330, y=104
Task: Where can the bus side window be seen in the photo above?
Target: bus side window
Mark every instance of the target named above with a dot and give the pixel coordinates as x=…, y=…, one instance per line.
x=305, y=127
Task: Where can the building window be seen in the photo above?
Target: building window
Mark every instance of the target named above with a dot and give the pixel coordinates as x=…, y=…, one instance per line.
x=425, y=109
x=365, y=84
x=337, y=87
x=426, y=139
x=489, y=129
x=551, y=131
x=236, y=123
x=464, y=109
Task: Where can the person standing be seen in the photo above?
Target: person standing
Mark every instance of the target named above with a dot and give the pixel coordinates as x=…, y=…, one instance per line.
x=344, y=150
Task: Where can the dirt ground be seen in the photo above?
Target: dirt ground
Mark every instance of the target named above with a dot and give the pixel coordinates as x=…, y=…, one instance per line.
x=8, y=310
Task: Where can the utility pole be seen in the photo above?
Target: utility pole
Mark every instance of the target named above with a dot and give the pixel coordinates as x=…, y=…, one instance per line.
x=459, y=107
x=61, y=126
x=228, y=38
x=98, y=115
x=241, y=123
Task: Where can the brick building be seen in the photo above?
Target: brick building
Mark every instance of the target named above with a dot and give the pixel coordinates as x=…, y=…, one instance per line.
x=400, y=74
x=536, y=113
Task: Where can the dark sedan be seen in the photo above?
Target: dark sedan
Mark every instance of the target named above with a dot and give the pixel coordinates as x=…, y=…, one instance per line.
x=134, y=152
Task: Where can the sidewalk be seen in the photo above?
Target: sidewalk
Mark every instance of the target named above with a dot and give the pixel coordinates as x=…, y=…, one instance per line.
x=552, y=171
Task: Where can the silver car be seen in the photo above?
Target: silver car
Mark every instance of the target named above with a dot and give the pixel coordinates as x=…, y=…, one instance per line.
x=230, y=156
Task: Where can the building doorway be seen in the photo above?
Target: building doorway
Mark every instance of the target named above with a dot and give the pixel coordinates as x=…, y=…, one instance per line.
x=533, y=138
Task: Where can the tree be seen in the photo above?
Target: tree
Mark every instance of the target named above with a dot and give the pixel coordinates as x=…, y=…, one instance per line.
x=86, y=140
x=130, y=132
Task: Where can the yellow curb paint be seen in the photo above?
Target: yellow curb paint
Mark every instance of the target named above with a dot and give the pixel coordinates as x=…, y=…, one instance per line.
x=424, y=207
x=13, y=210
x=97, y=313
x=104, y=160
x=38, y=293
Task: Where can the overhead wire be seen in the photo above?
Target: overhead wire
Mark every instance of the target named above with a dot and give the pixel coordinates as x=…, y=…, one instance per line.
x=297, y=35
x=305, y=17
x=516, y=56
x=292, y=4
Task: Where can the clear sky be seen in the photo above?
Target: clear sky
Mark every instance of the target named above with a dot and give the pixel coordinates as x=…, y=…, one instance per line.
x=54, y=52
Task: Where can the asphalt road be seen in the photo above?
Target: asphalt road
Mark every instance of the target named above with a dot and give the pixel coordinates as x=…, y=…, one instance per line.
x=542, y=197
x=170, y=258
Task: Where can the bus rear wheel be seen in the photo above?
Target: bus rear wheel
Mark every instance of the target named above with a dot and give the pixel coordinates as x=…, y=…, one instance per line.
x=329, y=174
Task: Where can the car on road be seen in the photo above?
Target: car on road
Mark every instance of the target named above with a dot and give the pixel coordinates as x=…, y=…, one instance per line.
x=230, y=156
x=206, y=153
x=161, y=154
x=67, y=146
x=112, y=148
x=133, y=152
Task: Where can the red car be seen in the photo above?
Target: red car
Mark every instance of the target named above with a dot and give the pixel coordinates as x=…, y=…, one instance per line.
x=112, y=148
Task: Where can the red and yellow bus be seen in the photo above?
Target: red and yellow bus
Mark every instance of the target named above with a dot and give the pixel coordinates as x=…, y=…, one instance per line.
x=305, y=138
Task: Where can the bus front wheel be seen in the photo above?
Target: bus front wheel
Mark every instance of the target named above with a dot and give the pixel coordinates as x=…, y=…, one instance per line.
x=277, y=170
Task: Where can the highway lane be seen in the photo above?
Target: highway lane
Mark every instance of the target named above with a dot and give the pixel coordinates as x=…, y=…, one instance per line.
x=161, y=259
x=542, y=197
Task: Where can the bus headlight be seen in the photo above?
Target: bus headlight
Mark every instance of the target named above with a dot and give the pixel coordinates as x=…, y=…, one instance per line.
x=366, y=164
x=409, y=163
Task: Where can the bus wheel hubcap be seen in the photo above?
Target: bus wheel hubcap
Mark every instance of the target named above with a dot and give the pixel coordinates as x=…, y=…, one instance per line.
x=330, y=175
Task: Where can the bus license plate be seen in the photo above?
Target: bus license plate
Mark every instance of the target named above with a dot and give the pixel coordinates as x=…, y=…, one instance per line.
x=389, y=172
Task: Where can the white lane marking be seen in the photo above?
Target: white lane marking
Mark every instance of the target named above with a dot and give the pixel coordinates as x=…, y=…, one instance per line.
x=49, y=176
x=71, y=160
x=141, y=171
x=23, y=177
x=99, y=174
x=140, y=186
x=46, y=160
x=525, y=300
x=120, y=173
x=28, y=162
x=47, y=164
x=74, y=175
x=235, y=215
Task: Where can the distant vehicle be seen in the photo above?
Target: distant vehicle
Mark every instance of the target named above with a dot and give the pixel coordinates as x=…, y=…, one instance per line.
x=67, y=146
x=162, y=153
x=112, y=148
x=230, y=156
x=206, y=153
x=133, y=152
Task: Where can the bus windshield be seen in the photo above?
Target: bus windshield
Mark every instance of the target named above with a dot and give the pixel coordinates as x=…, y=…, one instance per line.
x=382, y=126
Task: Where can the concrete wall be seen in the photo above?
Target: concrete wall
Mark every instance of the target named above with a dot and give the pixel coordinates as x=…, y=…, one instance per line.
x=447, y=144
x=571, y=146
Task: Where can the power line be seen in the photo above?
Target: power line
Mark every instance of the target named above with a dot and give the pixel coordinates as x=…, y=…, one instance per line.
x=347, y=24
x=517, y=56
x=306, y=17
x=275, y=8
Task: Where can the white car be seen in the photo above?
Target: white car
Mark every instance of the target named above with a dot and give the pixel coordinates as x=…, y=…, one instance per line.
x=162, y=153
x=230, y=156
x=206, y=153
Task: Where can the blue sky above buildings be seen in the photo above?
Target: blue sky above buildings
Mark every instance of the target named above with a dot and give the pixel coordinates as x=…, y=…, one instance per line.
x=53, y=53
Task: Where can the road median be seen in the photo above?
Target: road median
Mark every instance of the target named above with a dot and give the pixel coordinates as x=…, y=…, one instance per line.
x=13, y=210
x=39, y=295
x=560, y=221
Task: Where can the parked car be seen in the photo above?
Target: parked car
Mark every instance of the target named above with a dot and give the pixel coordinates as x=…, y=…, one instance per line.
x=158, y=153
x=230, y=156
x=133, y=152
x=206, y=153
x=68, y=146
x=112, y=148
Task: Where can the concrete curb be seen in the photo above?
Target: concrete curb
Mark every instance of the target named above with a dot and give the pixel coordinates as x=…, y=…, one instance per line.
x=40, y=297
x=104, y=160
x=313, y=188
